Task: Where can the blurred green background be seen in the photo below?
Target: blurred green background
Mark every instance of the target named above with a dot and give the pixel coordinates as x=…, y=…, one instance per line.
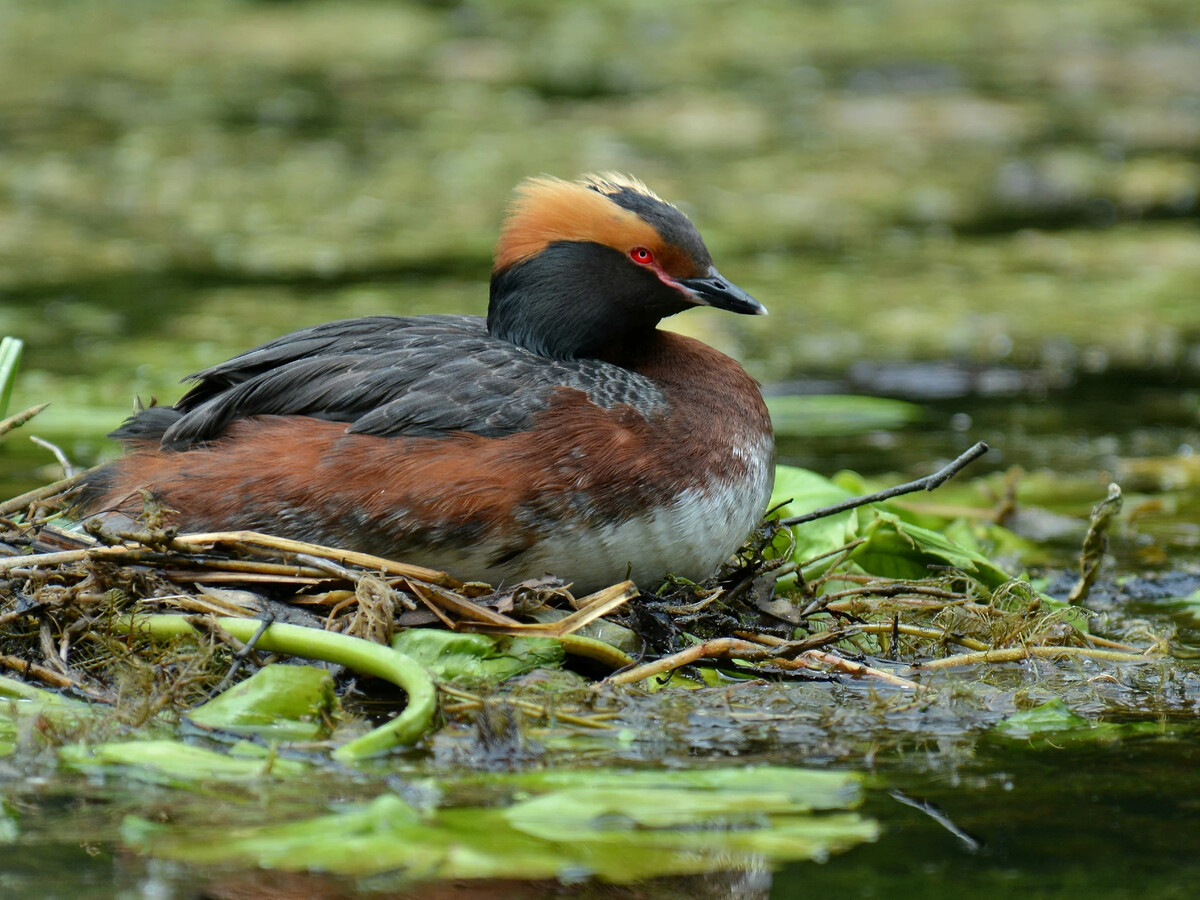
x=1009, y=188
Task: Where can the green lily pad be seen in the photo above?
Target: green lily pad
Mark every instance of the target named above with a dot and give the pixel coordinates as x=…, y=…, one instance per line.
x=278, y=702
x=834, y=415
x=1052, y=723
x=897, y=549
x=628, y=833
x=804, y=492
x=173, y=762
x=477, y=658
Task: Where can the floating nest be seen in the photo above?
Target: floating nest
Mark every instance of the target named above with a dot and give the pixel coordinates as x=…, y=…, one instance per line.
x=71, y=600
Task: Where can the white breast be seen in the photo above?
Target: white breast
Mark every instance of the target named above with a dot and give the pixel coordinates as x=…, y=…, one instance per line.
x=689, y=535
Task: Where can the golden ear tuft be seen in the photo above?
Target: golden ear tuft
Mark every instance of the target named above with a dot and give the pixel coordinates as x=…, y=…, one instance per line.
x=547, y=209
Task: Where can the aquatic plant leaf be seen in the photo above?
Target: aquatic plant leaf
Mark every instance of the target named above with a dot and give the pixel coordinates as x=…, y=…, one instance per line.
x=993, y=540
x=832, y=415
x=10, y=828
x=477, y=658
x=563, y=814
x=1052, y=715
x=174, y=762
x=805, y=789
x=617, y=834
x=1055, y=722
x=806, y=491
x=288, y=703
x=8, y=733
x=27, y=700
x=897, y=549
x=383, y=835
x=39, y=697
x=356, y=653
x=1188, y=606
x=616, y=852
x=576, y=813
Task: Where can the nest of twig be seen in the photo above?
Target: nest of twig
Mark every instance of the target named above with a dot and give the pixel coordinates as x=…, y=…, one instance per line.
x=61, y=588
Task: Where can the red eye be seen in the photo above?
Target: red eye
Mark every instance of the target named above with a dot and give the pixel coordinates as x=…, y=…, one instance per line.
x=641, y=256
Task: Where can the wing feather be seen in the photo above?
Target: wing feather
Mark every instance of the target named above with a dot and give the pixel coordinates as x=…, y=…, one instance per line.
x=390, y=376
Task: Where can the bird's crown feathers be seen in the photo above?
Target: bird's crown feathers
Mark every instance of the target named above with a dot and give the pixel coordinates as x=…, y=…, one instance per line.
x=547, y=209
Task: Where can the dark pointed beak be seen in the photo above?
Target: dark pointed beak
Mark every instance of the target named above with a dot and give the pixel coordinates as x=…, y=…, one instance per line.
x=714, y=290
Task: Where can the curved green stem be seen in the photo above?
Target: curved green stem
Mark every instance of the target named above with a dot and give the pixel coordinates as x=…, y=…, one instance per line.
x=354, y=653
x=599, y=651
x=10, y=687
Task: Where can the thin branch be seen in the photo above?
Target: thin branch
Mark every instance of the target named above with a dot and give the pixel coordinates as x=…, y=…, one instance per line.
x=973, y=844
x=17, y=504
x=1019, y=654
x=928, y=483
x=16, y=421
x=67, y=466
x=858, y=670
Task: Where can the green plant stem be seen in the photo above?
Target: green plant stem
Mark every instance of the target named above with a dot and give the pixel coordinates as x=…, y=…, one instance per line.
x=598, y=651
x=1017, y=654
x=11, y=687
x=10, y=357
x=354, y=653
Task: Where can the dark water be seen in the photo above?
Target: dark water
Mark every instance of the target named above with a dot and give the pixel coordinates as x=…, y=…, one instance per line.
x=1112, y=821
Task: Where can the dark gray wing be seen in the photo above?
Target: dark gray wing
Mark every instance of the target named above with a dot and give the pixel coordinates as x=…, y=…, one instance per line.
x=391, y=375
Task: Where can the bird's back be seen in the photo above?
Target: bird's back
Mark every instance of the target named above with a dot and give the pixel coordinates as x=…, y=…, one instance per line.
x=466, y=454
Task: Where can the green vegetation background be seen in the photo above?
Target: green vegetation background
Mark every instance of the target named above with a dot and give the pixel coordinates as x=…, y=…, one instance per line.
x=1009, y=182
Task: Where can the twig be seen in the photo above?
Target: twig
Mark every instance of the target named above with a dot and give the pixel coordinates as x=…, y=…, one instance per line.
x=928, y=483
x=49, y=676
x=198, y=543
x=1017, y=654
x=19, y=503
x=844, y=549
x=67, y=466
x=469, y=700
x=592, y=607
x=930, y=633
x=783, y=648
x=243, y=653
x=716, y=648
x=1111, y=645
x=972, y=844
x=872, y=588
x=287, y=545
x=327, y=567
x=733, y=648
x=858, y=670
x=832, y=637
x=16, y=421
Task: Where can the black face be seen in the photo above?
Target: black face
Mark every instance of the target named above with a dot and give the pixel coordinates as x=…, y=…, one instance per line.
x=579, y=299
